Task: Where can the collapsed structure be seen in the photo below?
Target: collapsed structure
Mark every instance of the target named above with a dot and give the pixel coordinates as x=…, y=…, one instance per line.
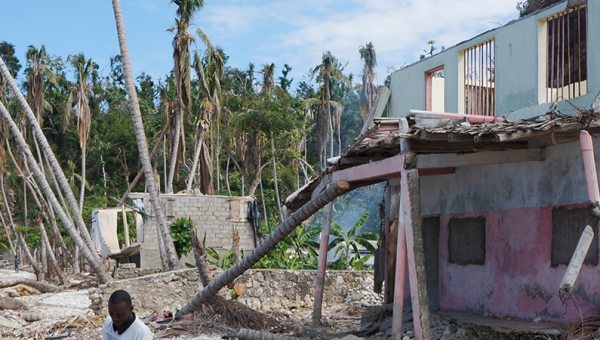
x=223, y=219
x=487, y=193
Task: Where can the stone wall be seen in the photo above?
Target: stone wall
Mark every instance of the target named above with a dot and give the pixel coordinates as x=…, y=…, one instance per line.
x=217, y=216
x=267, y=290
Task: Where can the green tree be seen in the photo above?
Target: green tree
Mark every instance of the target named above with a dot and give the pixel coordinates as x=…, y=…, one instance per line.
x=7, y=53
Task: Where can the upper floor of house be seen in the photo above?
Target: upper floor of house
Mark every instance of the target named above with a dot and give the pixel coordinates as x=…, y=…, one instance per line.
x=515, y=71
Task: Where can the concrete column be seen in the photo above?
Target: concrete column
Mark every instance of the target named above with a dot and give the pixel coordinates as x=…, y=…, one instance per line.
x=411, y=213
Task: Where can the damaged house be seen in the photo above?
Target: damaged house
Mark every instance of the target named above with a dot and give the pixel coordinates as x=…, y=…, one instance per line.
x=487, y=193
x=224, y=220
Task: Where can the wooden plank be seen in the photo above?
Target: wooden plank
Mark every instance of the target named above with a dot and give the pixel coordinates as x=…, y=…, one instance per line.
x=386, y=168
x=391, y=263
x=480, y=158
x=383, y=96
x=411, y=218
x=400, y=270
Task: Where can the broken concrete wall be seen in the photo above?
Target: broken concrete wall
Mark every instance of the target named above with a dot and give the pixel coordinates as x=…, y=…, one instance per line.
x=218, y=216
x=267, y=290
x=520, y=203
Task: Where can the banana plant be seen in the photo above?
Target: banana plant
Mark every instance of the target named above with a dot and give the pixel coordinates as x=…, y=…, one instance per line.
x=344, y=241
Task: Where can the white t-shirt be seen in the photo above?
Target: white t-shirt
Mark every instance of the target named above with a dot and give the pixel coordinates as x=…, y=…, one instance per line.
x=137, y=331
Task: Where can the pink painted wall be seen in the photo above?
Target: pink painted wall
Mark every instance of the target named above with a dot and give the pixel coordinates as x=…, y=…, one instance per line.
x=516, y=279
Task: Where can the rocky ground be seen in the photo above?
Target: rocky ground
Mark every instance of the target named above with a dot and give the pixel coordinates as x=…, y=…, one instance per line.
x=66, y=315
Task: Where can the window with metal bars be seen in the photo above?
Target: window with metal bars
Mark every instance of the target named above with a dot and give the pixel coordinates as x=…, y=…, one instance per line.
x=566, y=71
x=480, y=79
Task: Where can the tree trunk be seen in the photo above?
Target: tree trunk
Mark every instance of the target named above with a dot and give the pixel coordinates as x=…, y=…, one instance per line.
x=84, y=236
x=36, y=268
x=141, y=172
x=227, y=176
x=41, y=179
x=174, y=150
x=206, y=166
x=192, y=174
x=161, y=250
x=43, y=257
x=266, y=246
x=262, y=197
x=8, y=211
x=275, y=179
x=200, y=257
x=42, y=287
x=12, y=247
x=50, y=259
x=38, y=197
x=141, y=139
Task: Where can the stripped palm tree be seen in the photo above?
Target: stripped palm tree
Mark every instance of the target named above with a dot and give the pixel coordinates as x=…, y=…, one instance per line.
x=368, y=90
x=162, y=228
x=79, y=93
x=37, y=72
x=181, y=57
x=327, y=72
x=317, y=109
x=210, y=87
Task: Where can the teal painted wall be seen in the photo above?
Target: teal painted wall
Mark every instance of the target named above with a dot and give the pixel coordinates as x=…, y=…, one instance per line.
x=516, y=49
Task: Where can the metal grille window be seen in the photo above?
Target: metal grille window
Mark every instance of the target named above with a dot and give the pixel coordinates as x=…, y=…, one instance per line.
x=566, y=71
x=479, y=71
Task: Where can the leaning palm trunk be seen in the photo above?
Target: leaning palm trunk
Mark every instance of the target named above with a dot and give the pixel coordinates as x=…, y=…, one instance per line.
x=61, y=276
x=8, y=211
x=12, y=247
x=266, y=246
x=192, y=174
x=83, y=160
x=275, y=179
x=36, y=268
x=141, y=172
x=174, y=152
x=141, y=139
x=56, y=168
x=37, y=196
x=41, y=179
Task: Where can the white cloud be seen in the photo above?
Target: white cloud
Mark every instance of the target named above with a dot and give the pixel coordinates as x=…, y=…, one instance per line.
x=298, y=32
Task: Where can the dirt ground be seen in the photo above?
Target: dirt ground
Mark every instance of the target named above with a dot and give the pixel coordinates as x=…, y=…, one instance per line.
x=66, y=315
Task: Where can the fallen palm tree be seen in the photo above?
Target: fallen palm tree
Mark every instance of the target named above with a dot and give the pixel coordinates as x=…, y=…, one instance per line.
x=284, y=229
x=41, y=286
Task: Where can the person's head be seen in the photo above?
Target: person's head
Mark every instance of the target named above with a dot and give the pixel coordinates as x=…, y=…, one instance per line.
x=120, y=307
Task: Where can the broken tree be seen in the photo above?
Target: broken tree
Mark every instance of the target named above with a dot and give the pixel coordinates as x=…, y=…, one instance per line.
x=284, y=229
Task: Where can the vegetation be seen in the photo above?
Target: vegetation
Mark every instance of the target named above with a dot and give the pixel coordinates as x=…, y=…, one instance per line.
x=352, y=239
x=182, y=236
x=228, y=130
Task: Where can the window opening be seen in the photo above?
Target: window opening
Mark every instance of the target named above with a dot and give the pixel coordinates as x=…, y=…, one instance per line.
x=434, y=89
x=480, y=78
x=566, y=73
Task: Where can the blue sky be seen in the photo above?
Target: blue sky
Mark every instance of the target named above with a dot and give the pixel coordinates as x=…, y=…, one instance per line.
x=260, y=31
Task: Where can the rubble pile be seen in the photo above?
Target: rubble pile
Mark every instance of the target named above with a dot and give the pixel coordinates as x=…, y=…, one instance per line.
x=361, y=293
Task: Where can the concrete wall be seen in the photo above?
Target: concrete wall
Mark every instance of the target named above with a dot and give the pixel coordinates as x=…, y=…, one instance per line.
x=516, y=200
x=267, y=290
x=516, y=50
x=215, y=215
